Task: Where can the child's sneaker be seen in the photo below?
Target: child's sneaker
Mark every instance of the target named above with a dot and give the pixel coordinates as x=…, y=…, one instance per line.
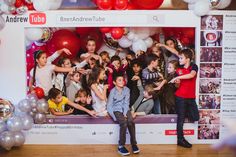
x=123, y=151
x=135, y=149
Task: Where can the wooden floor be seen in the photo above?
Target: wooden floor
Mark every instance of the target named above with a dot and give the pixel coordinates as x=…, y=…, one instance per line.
x=111, y=151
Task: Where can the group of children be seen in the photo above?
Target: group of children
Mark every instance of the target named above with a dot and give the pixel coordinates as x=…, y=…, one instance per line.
x=123, y=88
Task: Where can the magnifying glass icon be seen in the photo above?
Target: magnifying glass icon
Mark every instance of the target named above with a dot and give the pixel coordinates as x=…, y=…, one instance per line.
x=155, y=18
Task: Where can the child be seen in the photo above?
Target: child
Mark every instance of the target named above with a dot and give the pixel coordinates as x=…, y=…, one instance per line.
x=144, y=104
x=91, y=48
x=61, y=77
x=185, y=94
x=170, y=88
x=118, y=108
x=84, y=100
x=73, y=85
x=114, y=68
x=150, y=75
x=43, y=70
x=57, y=104
x=105, y=58
x=134, y=74
x=98, y=90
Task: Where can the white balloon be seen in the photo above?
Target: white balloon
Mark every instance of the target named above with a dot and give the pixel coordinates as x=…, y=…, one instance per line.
x=191, y=6
x=4, y=8
x=201, y=8
x=108, y=35
x=41, y=5
x=19, y=138
x=190, y=1
x=223, y=4
x=130, y=35
x=141, y=32
x=55, y=4
x=10, y=2
x=33, y=34
x=139, y=45
x=124, y=42
x=136, y=37
x=148, y=42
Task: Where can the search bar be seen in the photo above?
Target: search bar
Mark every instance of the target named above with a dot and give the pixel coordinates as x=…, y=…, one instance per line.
x=156, y=19
x=101, y=19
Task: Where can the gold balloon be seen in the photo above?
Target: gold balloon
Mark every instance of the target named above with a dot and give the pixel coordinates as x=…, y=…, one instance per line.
x=214, y=3
x=6, y=109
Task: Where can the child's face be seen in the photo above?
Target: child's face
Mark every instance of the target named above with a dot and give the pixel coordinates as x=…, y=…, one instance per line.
x=119, y=82
x=67, y=63
x=58, y=99
x=116, y=63
x=83, y=98
x=170, y=43
x=42, y=61
x=154, y=63
x=92, y=63
x=146, y=95
x=156, y=51
x=183, y=60
x=91, y=46
x=136, y=68
x=105, y=58
x=102, y=75
x=76, y=77
x=170, y=68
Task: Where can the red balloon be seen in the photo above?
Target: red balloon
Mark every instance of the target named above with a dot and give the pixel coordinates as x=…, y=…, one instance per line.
x=117, y=32
x=64, y=39
x=185, y=41
x=189, y=32
x=104, y=4
x=105, y=29
x=147, y=4
x=131, y=6
x=39, y=92
x=121, y=4
x=30, y=6
x=19, y=3
x=83, y=30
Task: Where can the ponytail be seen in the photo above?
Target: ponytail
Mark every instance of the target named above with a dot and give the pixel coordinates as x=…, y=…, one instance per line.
x=37, y=55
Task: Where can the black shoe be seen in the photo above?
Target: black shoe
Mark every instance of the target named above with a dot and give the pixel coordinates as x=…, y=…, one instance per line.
x=187, y=142
x=135, y=149
x=123, y=151
x=184, y=143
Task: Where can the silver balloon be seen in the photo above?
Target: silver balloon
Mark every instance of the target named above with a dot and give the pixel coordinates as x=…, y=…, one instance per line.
x=42, y=106
x=33, y=100
x=21, y=10
x=7, y=140
x=6, y=110
x=19, y=138
x=34, y=110
x=40, y=118
x=3, y=126
x=27, y=122
x=25, y=105
x=32, y=114
x=10, y=2
x=14, y=124
x=214, y=3
x=2, y=22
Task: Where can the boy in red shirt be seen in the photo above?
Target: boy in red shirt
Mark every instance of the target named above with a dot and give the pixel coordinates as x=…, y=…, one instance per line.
x=185, y=95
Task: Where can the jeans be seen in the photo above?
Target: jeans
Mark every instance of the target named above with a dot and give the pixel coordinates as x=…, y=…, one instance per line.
x=185, y=108
x=157, y=106
x=124, y=123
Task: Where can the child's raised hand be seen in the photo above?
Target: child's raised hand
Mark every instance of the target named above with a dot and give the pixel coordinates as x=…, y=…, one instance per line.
x=77, y=99
x=65, y=50
x=89, y=100
x=135, y=78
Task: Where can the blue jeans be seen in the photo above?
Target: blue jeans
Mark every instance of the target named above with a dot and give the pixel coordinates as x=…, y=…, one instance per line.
x=185, y=108
x=157, y=106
